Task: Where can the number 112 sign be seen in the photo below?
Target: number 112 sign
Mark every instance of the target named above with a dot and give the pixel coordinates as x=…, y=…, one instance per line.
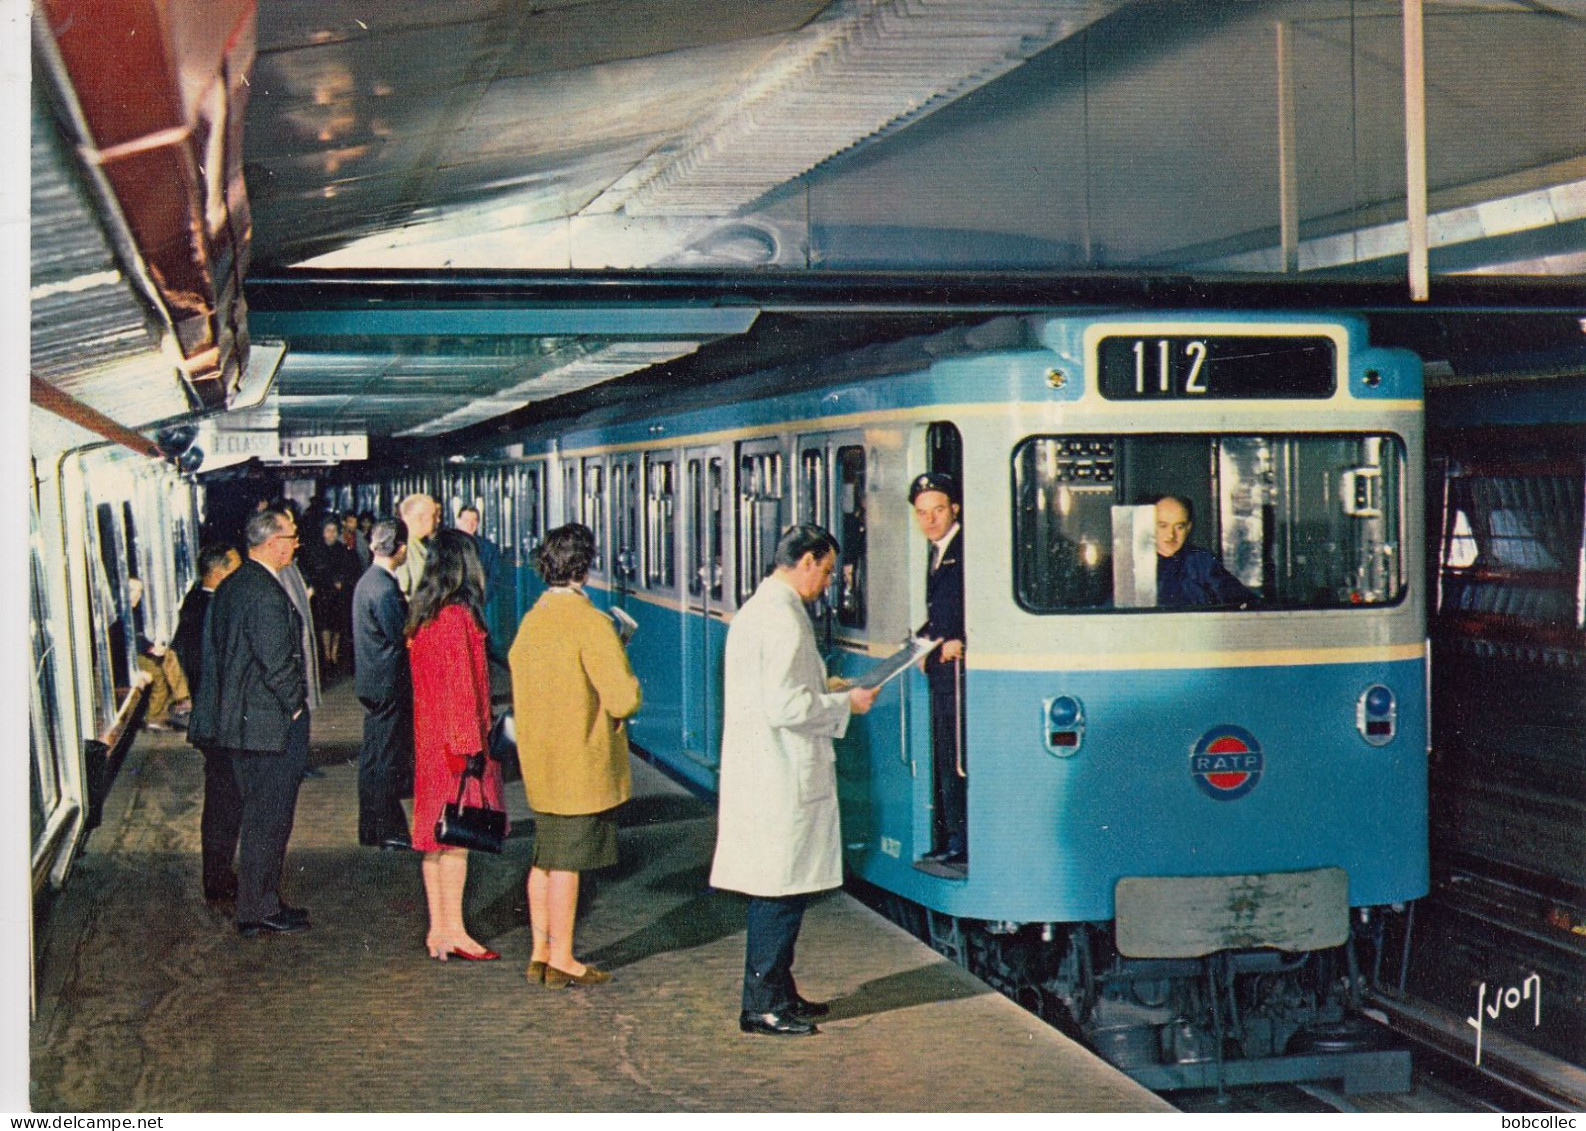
x=1215, y=367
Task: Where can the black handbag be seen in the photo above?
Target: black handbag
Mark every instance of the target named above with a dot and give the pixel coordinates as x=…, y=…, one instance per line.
x=464, y=826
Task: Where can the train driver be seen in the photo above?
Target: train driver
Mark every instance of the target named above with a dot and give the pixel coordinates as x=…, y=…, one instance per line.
x=1185, y=574
x=934, y=496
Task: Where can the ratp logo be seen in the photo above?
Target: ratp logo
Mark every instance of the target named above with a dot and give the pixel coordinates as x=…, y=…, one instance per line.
x=1226, y=763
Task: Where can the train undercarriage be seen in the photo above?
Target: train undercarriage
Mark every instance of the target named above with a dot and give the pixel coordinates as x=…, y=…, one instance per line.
x=1227, y=1019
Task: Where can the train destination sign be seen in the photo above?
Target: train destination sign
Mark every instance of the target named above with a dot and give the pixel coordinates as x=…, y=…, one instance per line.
x=1189, y=367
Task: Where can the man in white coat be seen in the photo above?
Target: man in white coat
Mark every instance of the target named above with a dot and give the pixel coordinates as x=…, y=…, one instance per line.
x=778, y=839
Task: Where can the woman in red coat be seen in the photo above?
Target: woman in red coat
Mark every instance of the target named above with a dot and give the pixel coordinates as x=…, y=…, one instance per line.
x=451, y=726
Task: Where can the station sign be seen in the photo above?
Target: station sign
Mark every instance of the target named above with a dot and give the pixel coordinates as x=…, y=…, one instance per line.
x=244, y=445
x=323, y=449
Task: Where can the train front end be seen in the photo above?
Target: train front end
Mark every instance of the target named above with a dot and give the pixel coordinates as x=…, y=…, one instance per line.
x=1196, y=690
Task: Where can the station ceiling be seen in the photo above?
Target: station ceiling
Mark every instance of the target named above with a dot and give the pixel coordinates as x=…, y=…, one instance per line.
x=697, y=148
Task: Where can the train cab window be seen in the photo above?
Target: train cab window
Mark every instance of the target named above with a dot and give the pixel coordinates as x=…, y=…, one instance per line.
x=595, y=511
x=850, y=579
x=660, y=522
x=1269, y=522
x=759, y=516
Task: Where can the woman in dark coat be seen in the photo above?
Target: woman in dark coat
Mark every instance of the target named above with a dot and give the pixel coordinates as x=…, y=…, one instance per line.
x=331, y=569
x=451, y=728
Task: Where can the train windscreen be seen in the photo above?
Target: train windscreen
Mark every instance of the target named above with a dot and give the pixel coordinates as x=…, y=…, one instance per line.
x=1207, y=522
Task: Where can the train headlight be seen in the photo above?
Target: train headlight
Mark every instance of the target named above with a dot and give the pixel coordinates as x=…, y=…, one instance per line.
x=1065, y=725
x=1377, y=714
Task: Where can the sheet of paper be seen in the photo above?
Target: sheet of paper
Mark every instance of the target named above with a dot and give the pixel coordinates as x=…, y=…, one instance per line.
x=913, y=650
x=626, y=625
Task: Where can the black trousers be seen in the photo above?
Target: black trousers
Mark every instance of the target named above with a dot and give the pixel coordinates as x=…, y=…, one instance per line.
x=774, y=923
x=948, y=749
x=268, y=784
x=384, y=764
x=221, y=822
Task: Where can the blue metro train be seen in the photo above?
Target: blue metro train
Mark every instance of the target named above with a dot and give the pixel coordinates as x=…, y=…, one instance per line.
x=1186, y=824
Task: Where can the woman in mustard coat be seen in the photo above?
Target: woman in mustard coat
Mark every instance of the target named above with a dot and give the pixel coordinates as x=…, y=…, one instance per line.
x=571, y=689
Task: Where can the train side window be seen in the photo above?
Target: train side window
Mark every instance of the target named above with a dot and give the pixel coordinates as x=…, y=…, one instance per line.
x=1277, y=521
x=108, y=589
x=660, y=521
x=46, y=723
x=595, y=511
x=705, y=538
x=715, y=537
x=812, y=486
x=759, y=516
x=1512, y=542
x=572, y=497
x=530, y=511
x=850, y=602
x=625, y=520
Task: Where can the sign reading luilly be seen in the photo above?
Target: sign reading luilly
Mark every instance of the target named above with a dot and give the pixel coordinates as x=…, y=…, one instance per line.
x=321, y=449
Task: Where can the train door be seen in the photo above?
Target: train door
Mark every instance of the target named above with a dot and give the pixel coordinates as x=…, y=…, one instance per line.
x=704, y=596
x=625, y=528
x=831, y=492
x=655, y=649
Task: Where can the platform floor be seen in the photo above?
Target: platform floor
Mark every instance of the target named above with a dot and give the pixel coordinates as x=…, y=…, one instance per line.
x=150, y=1002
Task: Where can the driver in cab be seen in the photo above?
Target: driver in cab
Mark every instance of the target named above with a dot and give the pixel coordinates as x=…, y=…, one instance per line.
x=1185, y=574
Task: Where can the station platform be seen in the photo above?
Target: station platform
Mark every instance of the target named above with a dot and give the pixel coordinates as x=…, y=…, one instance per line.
x=149, y=1001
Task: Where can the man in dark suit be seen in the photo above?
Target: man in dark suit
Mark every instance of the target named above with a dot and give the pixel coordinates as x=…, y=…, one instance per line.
x=385, y=688
x=252, y=708
x=221, y=821
x=936, y=509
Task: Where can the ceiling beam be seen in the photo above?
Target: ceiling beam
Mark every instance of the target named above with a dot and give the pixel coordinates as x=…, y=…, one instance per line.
x=459, y=320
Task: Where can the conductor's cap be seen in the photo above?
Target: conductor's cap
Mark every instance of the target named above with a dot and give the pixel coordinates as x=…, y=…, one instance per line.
x=933, y=481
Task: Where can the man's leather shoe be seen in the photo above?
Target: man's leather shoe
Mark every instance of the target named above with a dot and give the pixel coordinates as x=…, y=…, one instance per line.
x=808, y=1010
x=396, y=842
x=287, y=911
x=276, y=924
x=776, y=1024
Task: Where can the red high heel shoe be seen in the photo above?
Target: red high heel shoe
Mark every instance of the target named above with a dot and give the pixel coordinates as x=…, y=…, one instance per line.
x=482, y=956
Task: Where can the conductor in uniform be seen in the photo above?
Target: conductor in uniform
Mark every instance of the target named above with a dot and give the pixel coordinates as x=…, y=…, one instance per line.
x=778, y=838
x=934, y=496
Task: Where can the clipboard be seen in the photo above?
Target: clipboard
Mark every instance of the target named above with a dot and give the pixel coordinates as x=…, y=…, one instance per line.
x=914, y=649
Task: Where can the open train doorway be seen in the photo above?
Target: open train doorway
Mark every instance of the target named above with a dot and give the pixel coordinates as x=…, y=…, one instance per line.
x=936, y=497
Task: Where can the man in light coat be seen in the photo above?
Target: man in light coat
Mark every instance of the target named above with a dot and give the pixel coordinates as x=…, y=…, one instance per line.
x=778, y=839
x=422, y=514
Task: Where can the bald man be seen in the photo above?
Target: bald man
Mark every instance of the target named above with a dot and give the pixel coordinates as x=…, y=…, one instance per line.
x=1185, y=574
